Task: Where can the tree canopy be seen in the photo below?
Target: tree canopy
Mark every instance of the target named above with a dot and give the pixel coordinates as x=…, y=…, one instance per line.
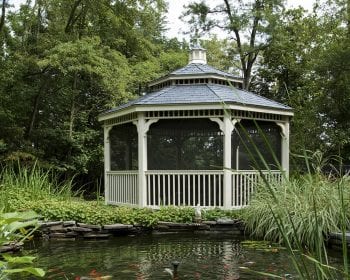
x=63, y=62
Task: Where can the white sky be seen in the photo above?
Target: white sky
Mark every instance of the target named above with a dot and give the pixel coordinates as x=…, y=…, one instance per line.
x=176, y=27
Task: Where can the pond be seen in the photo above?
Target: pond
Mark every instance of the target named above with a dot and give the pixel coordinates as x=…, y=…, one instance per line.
x=151, y=257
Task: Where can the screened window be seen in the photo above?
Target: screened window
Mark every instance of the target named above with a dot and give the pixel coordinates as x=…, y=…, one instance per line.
x=249, y=136
x=123, y=144
x=185, y=144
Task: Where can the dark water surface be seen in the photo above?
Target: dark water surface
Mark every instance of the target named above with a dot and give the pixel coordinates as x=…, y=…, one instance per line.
x=148, y=256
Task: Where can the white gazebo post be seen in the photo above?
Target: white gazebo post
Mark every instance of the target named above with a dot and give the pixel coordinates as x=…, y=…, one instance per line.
x=142, y=128
x=226, y=126
x=284, y=146
x=107, y=159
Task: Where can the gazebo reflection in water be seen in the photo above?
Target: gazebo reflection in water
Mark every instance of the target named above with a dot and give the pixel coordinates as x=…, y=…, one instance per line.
x=196, y=138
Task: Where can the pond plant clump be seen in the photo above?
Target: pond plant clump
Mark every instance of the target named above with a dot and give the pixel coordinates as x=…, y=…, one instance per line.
x=13, y=231
x=300, y=213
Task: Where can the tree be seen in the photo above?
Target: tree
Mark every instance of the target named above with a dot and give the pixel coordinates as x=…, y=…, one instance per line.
x=249, y=24
x=2, y=15
x=64, y=62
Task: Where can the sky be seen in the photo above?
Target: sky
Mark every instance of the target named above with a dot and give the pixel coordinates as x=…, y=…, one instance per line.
x=176, y=27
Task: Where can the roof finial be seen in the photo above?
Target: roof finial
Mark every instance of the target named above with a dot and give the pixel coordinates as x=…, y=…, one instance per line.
x=197, y=53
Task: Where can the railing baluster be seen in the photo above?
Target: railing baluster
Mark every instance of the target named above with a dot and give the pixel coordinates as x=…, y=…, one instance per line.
x=168, y=199
x=158, y=190
x=188, y=189
x=220, y=190
x=215, y=190
x=209, y=189
x=173, y=187
x=204, y=188
x=163, y=196
x=153, y=190
x=183, y=189
x=178, y=189
x=240, y=190
x=233, y=187
x=149, y=176
x=193, y=189
x=247, y=189
x=198, y=188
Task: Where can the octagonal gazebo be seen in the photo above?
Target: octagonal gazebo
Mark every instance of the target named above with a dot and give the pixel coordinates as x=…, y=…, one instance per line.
x=196, y=138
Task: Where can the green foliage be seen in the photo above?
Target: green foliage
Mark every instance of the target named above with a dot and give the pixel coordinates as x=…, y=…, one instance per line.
x=249, y=25
x=33, y=183
x=300, y=213
x=62, y=64
x=305, y=65
x=217, y=213
x=298, y=197
x=98, y=213
x=37, y=190
x=13, y=229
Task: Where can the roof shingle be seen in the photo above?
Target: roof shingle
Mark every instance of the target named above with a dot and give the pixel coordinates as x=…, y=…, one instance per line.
x=201, y=94
x=198, y=68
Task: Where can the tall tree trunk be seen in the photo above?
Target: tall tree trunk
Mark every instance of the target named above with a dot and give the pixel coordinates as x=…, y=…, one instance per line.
x=3, y=13
x=348, y=17
x=72, y=16
x=247, y=59
x=34, y=112
x=73, y=108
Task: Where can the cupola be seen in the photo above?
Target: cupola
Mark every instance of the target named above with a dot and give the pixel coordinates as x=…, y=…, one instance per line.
x=197, y=54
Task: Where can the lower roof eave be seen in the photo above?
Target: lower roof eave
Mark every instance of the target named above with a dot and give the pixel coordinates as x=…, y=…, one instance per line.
x=203, y=106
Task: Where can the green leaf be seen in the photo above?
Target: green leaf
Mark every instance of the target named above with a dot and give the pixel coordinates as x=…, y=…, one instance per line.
x=12, y=227
x=28, y=215
x=32, y=270
x=261, y=273
x=13, y=260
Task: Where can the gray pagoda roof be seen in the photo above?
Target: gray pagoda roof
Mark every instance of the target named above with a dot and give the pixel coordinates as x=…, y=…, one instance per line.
x=199, y=68
x=202, y=94
x=178, y=89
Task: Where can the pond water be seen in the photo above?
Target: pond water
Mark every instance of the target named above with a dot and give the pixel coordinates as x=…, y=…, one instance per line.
x=151, y=257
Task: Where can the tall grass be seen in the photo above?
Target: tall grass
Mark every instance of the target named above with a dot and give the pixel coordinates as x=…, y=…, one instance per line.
x=34, y=183
x=300, y=213
x=301, y=203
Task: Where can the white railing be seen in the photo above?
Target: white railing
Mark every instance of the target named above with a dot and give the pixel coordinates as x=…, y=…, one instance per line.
x=183, y=187
x=245, y=182
x=122, y=188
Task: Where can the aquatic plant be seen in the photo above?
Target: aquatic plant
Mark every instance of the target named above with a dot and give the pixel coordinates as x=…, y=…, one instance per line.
x=300, y=213
x=301, y=202
x=13, y=230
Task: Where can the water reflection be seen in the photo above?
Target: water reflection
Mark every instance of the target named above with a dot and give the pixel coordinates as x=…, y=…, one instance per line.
x=151, y=257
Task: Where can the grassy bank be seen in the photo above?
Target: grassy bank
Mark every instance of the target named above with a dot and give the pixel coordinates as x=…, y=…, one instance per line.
x=38, y=190
x=296, y=201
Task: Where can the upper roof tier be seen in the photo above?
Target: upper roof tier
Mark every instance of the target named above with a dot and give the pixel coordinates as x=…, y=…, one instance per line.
x=196, y=68
x=198, y=84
